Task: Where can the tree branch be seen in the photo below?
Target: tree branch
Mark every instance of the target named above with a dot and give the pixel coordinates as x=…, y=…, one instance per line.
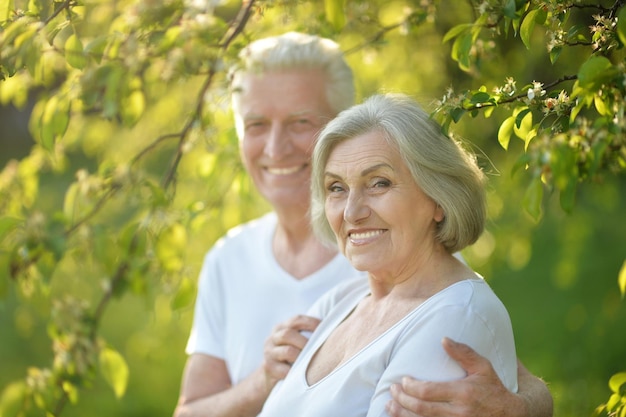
x=517, y=97
x=63, y=6
x=96, y=208
x=237, y=27
x=377, y=36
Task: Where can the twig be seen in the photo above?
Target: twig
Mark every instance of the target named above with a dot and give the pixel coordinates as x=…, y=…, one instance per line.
x=65, y=5
x=519, y=96
x=96, y=208
x=238, y=26
x=377, y=36
x=153, y=145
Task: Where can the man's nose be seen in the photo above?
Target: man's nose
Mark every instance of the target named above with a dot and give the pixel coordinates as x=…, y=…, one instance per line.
x=278, y=141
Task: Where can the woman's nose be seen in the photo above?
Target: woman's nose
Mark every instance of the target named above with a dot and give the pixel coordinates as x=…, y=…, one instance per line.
x=356, y=207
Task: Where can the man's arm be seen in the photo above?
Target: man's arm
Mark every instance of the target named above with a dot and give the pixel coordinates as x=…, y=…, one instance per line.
x=206, y=390
x=206, y=387
x=479, y=394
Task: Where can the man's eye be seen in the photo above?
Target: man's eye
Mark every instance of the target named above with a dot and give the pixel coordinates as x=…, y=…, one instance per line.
x=255, y=125
x=301, y=125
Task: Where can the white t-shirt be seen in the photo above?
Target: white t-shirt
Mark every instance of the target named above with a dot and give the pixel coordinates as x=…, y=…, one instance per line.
x=468, y=312
x=243, y=293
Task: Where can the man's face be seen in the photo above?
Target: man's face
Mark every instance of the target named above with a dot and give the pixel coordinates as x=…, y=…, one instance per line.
x=282, y=112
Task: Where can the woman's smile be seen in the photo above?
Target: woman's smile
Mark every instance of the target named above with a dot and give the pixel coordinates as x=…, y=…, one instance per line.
x=364, y=237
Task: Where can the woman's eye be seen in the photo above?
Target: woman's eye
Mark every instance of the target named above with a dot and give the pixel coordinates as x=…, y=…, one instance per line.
x=334, y=188
x=381, y=183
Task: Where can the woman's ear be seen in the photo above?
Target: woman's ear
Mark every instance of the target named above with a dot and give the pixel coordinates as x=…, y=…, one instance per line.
x=439, y=214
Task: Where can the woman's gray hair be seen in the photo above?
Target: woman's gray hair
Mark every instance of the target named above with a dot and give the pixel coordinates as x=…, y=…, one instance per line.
x=440, y=166
x=294, y=50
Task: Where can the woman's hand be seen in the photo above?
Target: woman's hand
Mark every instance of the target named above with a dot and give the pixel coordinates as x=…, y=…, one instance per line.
x=284, y=345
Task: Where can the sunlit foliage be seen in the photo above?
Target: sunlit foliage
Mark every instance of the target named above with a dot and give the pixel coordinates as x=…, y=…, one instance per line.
x=131, y=120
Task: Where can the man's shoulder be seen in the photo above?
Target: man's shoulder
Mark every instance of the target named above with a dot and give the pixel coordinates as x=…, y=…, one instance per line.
x=251, y=232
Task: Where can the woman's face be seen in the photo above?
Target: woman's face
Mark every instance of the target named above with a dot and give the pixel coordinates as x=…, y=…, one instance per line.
x=382, y=219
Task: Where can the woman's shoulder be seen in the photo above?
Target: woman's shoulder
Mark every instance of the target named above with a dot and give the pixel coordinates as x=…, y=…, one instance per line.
x=355, y=287
x=472, y=293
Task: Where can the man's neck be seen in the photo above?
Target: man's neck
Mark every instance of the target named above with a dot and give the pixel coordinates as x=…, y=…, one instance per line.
x=296, y=248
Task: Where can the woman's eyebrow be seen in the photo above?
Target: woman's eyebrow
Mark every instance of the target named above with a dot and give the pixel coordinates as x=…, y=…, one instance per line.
x=365, y=172
x=376, y=167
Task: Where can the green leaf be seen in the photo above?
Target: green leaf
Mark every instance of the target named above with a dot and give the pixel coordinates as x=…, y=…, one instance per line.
x=621, y=279
x=456, y=31
x=621, y=25
x=601, y=105
x=74, y=52
x=520, y=116
x=480, y=97
x=185, y=295
x=532, y=133
x=594, y=72
x=70, y=201
x=54, y=121
x=509, y=9
x=461, y=51
x=71, y=390
x=34, y=7
x=555, y=53
x=505, y=131
x=523, y=124
x=170, y=247
x=597, y=155
x=12, y=399
x=334, y=13
x=114, y=370
x=617, y=380
x=567, y=198
x=6, y=6
x=95, y=48
x=457, y=113
x=7, y=224
x=132, y=107
x=613, y=402
x=526, y=29
x=533, y=197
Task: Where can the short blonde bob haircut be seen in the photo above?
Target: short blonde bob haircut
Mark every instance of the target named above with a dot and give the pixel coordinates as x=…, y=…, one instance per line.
x=440, y=166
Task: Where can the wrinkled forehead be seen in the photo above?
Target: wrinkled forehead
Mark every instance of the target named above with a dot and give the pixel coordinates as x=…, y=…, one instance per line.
x=293, y=91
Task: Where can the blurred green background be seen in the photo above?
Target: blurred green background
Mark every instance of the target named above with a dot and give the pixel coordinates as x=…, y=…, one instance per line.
x=558, y=277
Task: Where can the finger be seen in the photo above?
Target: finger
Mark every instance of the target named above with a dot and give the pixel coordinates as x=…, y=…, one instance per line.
x=290, y=337
x=284, y=353
x=426, y=391
x=405, y=404
x=303, y=323
x=277, y=370
x=394, y=409
x=402, y=403
x=467, y=358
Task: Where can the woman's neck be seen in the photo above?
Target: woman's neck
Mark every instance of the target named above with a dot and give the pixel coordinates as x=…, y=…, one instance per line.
x=439, y=271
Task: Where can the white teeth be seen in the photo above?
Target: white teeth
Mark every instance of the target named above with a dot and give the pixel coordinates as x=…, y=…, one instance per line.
x=365, y=235
x=283, y=171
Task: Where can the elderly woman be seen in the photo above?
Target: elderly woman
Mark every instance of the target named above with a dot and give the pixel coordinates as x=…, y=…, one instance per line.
x=398, y=198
